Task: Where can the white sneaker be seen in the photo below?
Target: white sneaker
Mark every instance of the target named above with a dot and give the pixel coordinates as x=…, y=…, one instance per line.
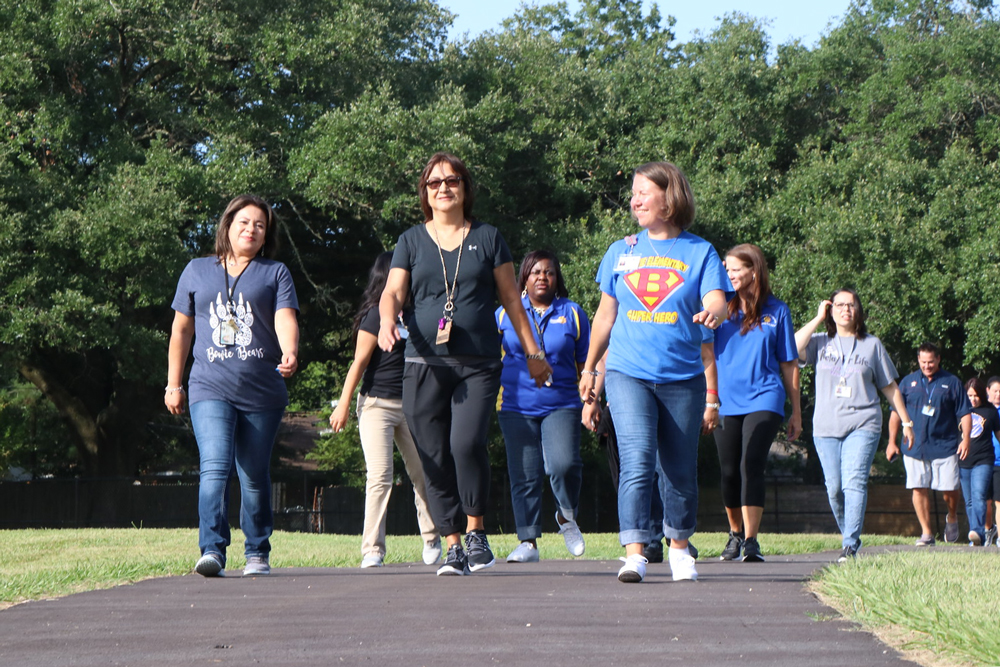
x=525, y=552
x=372, y=560
x=432, y=552
x=634, y=569
x=682, y=565
x=572, y=535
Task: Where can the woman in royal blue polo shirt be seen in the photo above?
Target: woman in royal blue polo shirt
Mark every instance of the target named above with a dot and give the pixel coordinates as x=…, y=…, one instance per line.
x=541, y=425
x=756, y=360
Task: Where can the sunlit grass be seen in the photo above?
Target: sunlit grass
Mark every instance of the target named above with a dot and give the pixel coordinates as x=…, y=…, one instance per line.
x=943, y=601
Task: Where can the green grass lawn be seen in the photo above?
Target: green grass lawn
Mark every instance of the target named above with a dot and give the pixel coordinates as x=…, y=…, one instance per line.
x=943, y=601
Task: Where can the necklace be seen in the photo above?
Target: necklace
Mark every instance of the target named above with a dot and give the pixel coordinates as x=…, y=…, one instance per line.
x=667, y=253
x=449, y=292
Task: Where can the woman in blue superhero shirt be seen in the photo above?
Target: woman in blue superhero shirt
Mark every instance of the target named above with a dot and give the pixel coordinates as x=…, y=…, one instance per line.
x=658, y=288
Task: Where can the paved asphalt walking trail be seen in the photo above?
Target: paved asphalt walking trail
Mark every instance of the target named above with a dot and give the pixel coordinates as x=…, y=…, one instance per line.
x=553, y=613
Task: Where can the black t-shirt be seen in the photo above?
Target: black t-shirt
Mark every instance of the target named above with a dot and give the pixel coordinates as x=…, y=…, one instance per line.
x=985, y=422
x=384, y=376
x=474, y=327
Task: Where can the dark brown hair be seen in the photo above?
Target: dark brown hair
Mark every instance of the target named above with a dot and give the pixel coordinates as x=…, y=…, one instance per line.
x=759, y=290
x=860, y=330
x=534, y=257
x=460, y=169
x=222, y=247
x=977, y=386
x=679, y=209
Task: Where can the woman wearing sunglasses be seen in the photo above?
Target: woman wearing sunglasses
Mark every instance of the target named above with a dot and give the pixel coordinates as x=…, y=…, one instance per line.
x=455, y=269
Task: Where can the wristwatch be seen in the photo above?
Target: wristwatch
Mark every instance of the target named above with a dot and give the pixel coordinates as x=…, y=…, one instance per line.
x=714, y=406
x=535, y=357
x=907, y=424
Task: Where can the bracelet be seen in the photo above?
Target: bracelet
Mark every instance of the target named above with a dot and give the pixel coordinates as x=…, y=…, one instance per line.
x=907, y=424
x=714, y=406
x=594, y=373
x=535, y=357
x=171, y=390
x=711, y=391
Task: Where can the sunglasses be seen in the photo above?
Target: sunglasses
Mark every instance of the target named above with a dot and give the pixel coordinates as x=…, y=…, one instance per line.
x=451, y=181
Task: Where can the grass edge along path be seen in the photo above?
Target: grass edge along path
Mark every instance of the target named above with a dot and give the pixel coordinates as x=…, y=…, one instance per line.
x=46, y=563
x=937, y=606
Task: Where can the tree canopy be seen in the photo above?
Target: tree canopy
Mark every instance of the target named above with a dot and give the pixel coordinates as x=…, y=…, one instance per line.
x=869, y=161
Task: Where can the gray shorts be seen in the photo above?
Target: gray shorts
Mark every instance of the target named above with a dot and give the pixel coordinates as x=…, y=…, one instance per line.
x=939, y=474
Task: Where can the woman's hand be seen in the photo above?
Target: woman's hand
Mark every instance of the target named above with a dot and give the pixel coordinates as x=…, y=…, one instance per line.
x=963, y=450
x=174, y=400
x=709, y=420
x=824, y=307
x=388, y=334
x=289, y=364
x=707, y=318
x=338, y=420
x=587, y=393
x=591, y=417
x=794, y=426
x=539, y=370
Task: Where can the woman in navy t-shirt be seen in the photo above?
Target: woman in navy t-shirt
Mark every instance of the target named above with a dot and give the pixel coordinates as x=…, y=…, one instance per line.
x=237, y=311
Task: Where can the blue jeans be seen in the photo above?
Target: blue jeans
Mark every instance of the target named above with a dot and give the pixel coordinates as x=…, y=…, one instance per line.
x=226, y=436
x=536, y=447
x=847, y=463
x=975, y=483
x=655, y=418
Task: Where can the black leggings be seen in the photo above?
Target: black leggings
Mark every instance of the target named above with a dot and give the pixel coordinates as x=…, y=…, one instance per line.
x=743, y=442
x=448, y=409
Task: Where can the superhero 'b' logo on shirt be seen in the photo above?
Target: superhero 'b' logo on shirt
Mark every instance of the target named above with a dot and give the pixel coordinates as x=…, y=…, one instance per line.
x=652, y=286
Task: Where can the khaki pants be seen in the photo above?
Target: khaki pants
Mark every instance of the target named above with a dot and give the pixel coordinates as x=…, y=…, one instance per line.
x=381, y=421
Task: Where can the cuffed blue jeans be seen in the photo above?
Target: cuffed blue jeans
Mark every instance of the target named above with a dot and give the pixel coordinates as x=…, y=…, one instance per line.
x=975, y=483
x=651, y=418
x=228, y=436
x=847, y=463
x=536, y=447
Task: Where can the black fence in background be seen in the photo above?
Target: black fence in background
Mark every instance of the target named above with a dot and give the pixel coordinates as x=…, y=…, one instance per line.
x=306, y=501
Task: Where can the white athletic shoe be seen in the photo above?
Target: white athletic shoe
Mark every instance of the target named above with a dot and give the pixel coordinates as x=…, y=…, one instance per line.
x=432, y=552
x=634, y=569
x=682, y=565
x=525, y=552
x=572, y=535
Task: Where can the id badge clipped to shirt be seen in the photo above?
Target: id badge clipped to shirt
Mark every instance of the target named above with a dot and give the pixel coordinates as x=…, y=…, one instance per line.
x=842, y=390
x=927, y=410
x=227, y=332
x=627, y=262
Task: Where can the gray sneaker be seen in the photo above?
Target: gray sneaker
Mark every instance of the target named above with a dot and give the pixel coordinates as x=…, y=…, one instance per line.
x=733, y=547
x=950, y=531
x=257, y=566
x=991, y=536
x=211, y=565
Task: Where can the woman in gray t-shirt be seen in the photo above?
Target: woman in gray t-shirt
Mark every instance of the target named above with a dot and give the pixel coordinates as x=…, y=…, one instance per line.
x=852, y=367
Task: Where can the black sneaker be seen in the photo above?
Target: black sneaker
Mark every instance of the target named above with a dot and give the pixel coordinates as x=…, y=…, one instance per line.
x=654, y=552
x=733, y=547
x=847, y=554
x=991, y=536
x=478, y=548
x=455, y=562
x=751, y=551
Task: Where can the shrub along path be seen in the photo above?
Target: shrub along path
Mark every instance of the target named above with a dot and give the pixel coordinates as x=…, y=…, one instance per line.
x=553, y=613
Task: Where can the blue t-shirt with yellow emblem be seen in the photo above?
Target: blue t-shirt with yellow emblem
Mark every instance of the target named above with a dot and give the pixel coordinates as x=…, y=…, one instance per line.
x=748, y=365
x=565, y=333
x=659, y=286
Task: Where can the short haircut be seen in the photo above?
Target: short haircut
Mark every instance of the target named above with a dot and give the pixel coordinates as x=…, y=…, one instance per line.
x=460, y=169
x=679, y=200
x=222, y=246
x=929, y=347
x=992, y=381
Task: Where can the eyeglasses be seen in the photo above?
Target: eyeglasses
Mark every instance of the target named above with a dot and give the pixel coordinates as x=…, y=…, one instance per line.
x=542, y=272
x=451, y=181
x=846, y=306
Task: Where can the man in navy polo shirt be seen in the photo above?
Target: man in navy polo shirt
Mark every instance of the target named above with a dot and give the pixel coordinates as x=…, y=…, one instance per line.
x=941, y=414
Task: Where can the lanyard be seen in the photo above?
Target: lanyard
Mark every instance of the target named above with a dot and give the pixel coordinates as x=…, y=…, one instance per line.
x=930, y=394
x=229, y=290
x=539, y=329
x=843, y=357
x=449, y=304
